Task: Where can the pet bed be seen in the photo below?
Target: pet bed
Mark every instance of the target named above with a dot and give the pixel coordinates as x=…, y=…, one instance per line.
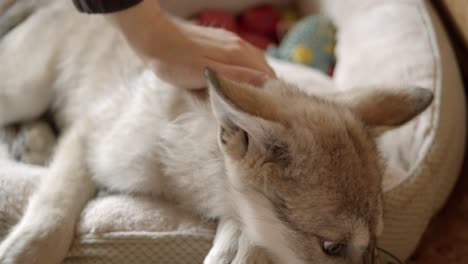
x=379, y=42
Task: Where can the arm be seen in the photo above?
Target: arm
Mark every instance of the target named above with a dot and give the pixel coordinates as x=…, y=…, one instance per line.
x=147, y=29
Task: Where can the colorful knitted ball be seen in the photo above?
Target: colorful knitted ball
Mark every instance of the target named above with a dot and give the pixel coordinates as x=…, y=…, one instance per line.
x=310, y=42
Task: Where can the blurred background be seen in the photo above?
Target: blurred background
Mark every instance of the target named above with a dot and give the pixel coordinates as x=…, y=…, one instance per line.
x=446, y=240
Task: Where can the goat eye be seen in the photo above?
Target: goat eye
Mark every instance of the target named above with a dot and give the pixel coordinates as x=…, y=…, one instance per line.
x=246, y=140
x=334, y=249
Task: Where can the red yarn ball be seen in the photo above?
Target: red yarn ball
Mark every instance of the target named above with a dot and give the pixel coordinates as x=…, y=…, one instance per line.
x=261, y=20
x=218, y=19
x=255, y=39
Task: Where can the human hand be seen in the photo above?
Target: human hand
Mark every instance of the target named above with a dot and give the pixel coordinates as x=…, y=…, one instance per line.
x=199, y=47
x=178, y=51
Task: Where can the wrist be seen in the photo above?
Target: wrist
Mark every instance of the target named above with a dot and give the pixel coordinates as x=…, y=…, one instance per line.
x=141, y=25
x=138, y=17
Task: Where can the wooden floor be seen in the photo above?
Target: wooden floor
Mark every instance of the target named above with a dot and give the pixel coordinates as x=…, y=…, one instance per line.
x=446, y=240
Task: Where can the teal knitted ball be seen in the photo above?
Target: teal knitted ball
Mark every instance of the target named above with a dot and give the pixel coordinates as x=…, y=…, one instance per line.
x=310, y=42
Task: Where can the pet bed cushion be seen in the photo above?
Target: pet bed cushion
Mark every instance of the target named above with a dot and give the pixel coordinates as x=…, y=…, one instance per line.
x=379, y=42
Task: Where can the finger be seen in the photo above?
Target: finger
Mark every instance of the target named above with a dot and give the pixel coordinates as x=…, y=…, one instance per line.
x=267, y=69
x=261, y=62
x=241, y=74
x=248, y=64
x=246, y=56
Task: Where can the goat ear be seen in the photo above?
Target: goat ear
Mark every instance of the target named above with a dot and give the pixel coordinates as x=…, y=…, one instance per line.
x=243, y=97
x=384, y=108
x=243, y=111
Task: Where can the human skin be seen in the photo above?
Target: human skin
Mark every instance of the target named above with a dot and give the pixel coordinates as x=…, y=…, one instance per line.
x=175, y=48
